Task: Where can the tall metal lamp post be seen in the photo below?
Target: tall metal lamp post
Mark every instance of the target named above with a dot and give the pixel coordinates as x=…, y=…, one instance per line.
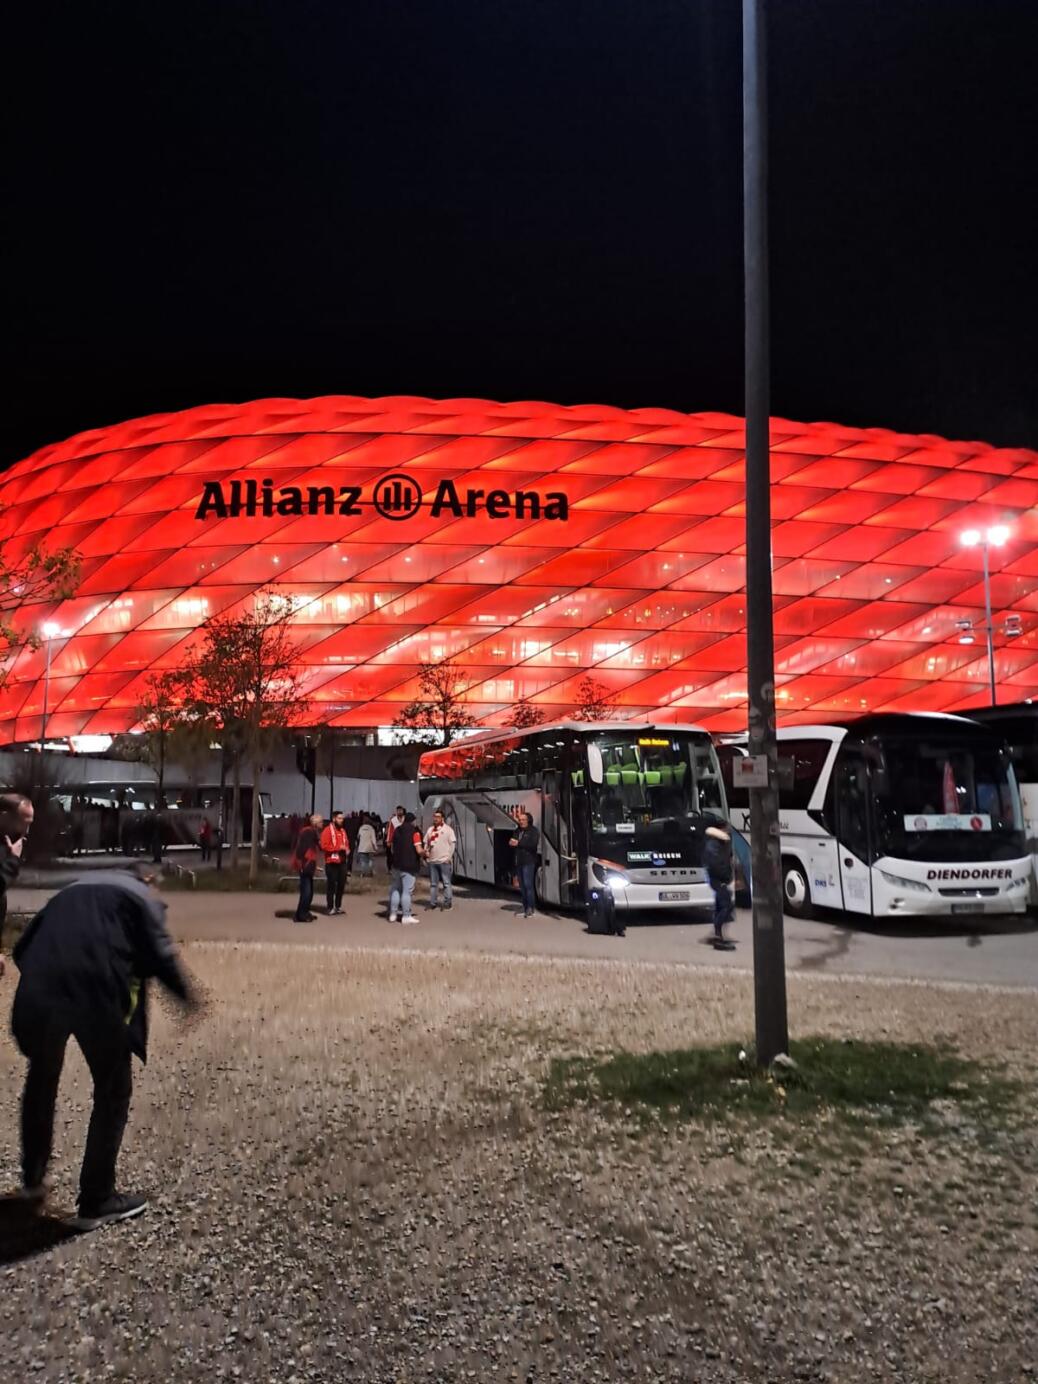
x=995, y=537
x=769, y=964
x=50, y=631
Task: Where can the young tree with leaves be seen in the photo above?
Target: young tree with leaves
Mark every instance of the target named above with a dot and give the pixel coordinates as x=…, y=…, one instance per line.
x=36, y=577
x=439, y=708
x=524, y=715
x=594, y=702
x=244, y=683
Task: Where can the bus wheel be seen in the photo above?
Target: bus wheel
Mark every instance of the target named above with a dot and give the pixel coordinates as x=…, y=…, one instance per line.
x=796, y=892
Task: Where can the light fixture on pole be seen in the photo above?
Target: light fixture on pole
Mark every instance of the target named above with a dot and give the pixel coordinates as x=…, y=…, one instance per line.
x=997, y=536
x=50, y=631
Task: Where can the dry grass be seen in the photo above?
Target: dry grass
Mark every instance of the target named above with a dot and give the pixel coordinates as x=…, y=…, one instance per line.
x=355, y=1178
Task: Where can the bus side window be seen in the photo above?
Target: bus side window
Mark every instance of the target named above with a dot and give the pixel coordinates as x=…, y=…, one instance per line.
x=737, y=795
x=800, y=763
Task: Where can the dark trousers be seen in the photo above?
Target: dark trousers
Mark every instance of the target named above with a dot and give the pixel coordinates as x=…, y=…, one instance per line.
x=107, y=1052
x=527, y=885
x=723, y=911
x=335, y=873
x=206, y=848
x=306, y=895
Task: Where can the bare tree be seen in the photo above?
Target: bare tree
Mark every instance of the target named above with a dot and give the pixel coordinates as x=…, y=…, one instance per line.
x=594, y=702
x=168, y=730
x=160, y=712
x=439, y=708
x=243, y=683
x=37, y=577
x=524, y=715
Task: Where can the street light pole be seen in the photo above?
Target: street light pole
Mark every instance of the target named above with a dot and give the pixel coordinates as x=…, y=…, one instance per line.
x=995, y=537
x=769, y=964
x=50, y=632
x=989, y=626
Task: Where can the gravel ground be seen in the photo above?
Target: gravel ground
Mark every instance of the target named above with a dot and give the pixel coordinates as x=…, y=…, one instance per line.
x=353, y=1179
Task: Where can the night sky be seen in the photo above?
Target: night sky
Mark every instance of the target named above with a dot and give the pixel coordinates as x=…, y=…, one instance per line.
x=516, y=199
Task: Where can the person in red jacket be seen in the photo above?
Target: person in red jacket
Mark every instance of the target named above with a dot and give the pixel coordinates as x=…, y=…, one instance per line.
x=304, y=861
x=336, y=847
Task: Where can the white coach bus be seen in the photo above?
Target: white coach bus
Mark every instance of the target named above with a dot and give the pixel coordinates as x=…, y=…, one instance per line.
x=1017, y=724
x=893, y=815
x=620, y=806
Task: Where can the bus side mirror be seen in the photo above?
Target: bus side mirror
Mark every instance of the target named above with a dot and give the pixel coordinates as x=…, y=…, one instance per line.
x=594, y=764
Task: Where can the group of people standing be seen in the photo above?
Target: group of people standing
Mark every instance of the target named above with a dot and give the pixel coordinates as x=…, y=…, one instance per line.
x=339, y=843
x=405, y=845
x=407, y=848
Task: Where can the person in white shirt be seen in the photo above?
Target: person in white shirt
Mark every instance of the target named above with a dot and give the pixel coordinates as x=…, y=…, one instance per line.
x=440, y=845
x=367, y=845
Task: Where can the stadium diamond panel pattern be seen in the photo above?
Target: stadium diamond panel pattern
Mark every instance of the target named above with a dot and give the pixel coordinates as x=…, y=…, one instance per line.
x=642, y=584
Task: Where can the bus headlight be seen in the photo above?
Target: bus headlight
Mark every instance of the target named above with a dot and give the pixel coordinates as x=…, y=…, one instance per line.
x=609, y=874
x=899, y=882
x=1017, y=884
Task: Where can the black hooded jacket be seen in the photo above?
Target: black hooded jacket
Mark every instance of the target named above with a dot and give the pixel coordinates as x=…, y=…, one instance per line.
x=717, y=856
x=86, y=958
x=10, y=864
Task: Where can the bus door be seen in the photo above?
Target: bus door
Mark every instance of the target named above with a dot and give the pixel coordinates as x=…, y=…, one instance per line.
x=852, y=831
x=555, y=840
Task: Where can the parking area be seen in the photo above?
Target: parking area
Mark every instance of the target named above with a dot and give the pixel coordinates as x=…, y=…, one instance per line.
x=970, y=950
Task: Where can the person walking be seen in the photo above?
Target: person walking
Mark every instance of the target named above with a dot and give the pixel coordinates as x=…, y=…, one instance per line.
x=352, y=825
x=407, y=854
x=85, y=962
x=397, y=820
x=440, y=845
x=336, y=847
x=526, y=856
x=205, y=839
x=367, y=845
x=304, y=860
x=16, y=814
x=717, y=857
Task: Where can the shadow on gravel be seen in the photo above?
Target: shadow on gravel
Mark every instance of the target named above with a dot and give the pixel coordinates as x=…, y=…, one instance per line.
x=25, y=1231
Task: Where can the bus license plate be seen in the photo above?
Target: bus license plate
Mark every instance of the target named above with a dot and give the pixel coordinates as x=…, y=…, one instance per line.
x=674, y=896
x=967, y=908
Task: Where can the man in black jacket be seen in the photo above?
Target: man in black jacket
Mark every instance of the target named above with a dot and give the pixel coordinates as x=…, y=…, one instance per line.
x=85, y=961
x=525, y=843
x=717, y=857
x=15, y=820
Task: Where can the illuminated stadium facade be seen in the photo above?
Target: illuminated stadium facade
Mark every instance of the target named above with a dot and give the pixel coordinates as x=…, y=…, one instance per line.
x=533, y=544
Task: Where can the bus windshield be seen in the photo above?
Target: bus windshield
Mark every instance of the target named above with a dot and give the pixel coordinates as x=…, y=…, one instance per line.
x=638, y=781
x=940, y=800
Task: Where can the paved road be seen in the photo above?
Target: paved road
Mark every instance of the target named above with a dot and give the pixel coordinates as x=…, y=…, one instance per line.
x=969, y=950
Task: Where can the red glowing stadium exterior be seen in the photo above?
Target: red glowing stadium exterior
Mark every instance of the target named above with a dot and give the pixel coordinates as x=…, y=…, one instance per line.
x=637, y=574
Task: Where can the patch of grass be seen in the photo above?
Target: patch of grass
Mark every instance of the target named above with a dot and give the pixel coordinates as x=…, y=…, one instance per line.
x=866, y=1083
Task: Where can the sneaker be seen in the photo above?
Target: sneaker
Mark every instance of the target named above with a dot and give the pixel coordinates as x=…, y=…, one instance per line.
x=723, y=944
x=450, y=904
x=393, y=918
x=117, y=1207
x=409, y=921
